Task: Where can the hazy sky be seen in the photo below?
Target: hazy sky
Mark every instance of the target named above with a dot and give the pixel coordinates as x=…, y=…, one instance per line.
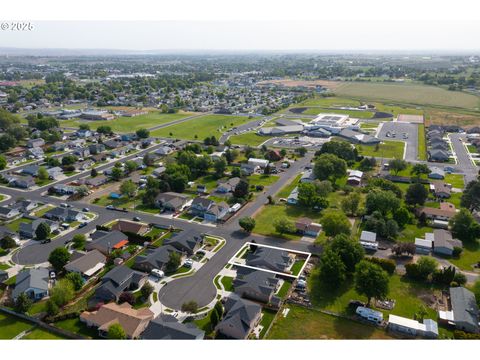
x=250, y=35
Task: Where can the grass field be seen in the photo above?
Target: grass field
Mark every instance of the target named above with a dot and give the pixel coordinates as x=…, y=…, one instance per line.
x=469, y=256
x=422, y=148
x=386, y=149
x=201, y=127
x=408, y=93
x=456, y=180
x=76, y=326
x=263, y=180
x=40, y=334
x=302, y=323
x=250, y=138
x=130, y=124
x=11, y=326
x=412, y=231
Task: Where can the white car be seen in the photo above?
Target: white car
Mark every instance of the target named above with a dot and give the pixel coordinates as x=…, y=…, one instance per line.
x=158, y=273
x=188, y=263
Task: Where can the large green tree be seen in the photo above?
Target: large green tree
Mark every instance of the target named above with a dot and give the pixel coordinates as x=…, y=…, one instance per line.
x=349, y=250
x=471, y=196
x=416, y=194
x=371, y=280
x=335, y=222
x=464, y=227
x=116, y=332
x=333, y=271
x=59, y=257
x=330, y=167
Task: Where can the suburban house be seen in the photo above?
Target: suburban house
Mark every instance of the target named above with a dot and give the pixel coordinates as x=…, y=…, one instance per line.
x=159, y=171
x=445, y=213
x=167, y=327
x=200, y=205
x=87, y=264
x=424, y=246
x=308, y=176
x=440, y=189
x=248, y=169
x=116, y=281
x=33, y=282
x=436, y=173
x=261, y=163
x=227, y=186
x=22, y=182
x=256, y=285
x=36, y=152
x=7, y=213
x=96, y=181
x=293, y=197
x=63, y=189
x=54, y=173
x=438, y=155
x=63, y=214
x=25, y=205
x=33, y=143
x=96, y=148
x=306, y=226
x=126, y=226
x=443, y=243
x=216, y=212
x=106, y=241
x=427, y=329
x=354, y=177
x=368, y=240
x=154, y=258
x=29, y=170
x=171, y=201
x=27, y=230
x=131, y=320
x=269, y=258
x=241, y=317
x=187, y=241
x=463, y=311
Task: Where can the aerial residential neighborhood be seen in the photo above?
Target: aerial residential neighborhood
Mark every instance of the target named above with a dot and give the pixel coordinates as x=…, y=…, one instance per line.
x=238, y=193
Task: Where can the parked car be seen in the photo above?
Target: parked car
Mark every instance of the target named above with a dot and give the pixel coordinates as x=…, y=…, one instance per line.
x=188, y=263
x=136, y=218
x=46, y=241
x=86, y=209
x=157, y=273
x=110, y=207
x=83, y=224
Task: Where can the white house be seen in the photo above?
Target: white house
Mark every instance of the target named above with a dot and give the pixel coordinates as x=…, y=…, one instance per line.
x=262, y=163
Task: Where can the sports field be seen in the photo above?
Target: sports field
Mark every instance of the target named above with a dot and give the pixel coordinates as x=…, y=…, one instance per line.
x=408, y=93
x=201, y=127
x=129, y=124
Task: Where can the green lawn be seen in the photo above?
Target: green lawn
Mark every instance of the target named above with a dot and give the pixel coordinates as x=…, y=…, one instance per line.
x=40, y=334
x=456, y=180
x=267, y=318
x=331, y=101
x=250, y=138
x=287, y=189
x=302, y=323
x=352, y=113
x=43, y=210
x=282, y=292
x=130, y=124
x=472, y=149
x=263, y=180
x=15, y=224
x=11, y=326
x=386, y=149
x=227, y=282
x=369, y=125
x=76, y=326
x=209, y=181
x=412, y=231
x=469, y=257
x=202, y=127
x=422, y=149
x=297, y=266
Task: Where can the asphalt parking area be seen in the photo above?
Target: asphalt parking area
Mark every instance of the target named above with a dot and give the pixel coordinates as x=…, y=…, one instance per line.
x=399, y=131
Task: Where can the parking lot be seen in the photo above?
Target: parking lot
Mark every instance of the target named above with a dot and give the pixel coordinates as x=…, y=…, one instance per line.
x=398, y=131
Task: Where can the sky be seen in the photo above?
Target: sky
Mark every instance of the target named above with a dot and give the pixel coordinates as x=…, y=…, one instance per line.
x=249, y=35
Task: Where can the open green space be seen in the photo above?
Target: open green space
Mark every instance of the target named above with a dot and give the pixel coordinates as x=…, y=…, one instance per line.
x=331, y=101
x=130, y=124
x=267, y=318
x=361, y=114
x=302, y=323
x=422, y=148
x=297, y=266
x=15, y=224
x=412, y=231
x=469, y=257
x=202, y=127
x=386, y=149
x=456, y=180
x=407, y=93
x=287, y=189
x=283, y=291
x=249, y=138
x=262, y=180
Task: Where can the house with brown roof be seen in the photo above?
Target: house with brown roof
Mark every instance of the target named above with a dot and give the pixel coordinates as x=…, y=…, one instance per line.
x=445, y=213
x=306, y=226
x=440, y=189
x=126, y=226
x=131, y=320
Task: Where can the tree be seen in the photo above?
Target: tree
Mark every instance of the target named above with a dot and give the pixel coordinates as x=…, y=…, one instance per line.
x=148, y=159
x=332, y=269
x=397, y=165
x=69, y=160
x=42, y=173
x=350, y=251
x=247, y=223
x=143, y=133
x=323, y=188
x=23, y=303
x=190, y=307
x=342, y=149
x=284, y=226
x=51, y=308
x=420, y=169
x=3, y=162
x=220, y=166
x=174, y=261
x=83, y=190
x=301, y=151
x=76, y=280
x=426, y=266
x=371, y=280
x=350, y=203
x=117, y=173
x=382, y=201
x=476, y=291
x=146, y=290
x=241, y=189
x=62, y=293
x=130, y=166
x=335, y=222
x=402, y=216
x=59, y=257
x=471, y=196
x=7, y=243
x=93, y=173
x=464, y=227
x=330, y=167
x=43, y=231
x=79, y=241
x=84, y=127
x=367, y=164
x=214, y=319
x=391, y=229
x=128, y=188
x=116, y=332
x=308, y=196
x=127, y=297
x=416, y=194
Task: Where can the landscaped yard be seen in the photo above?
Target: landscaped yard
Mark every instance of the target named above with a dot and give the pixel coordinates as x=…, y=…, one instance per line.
x=282, y=292
x=386, y=149
x=11, y=326
x=263, y=180
x=412, y=231
x=227, y=282
x=302, y=323
x=297, y=266
x=202, y=127
x=76, y=326
x=15, y=224
x=286, y=190
x=456, y=180
x=40, y=334
x=267, y=318
x=469, y=256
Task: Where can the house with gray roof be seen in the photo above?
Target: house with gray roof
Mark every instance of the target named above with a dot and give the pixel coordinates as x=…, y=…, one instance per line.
x=187, y=241
x=167, y=327
x=107, y=241
x=444, y=243
x=63, y=214
x=7, y=213
x=241, y=317
x=255, y=285
x=269, y=258
x=87, y=264
x=465, y=309
x=171, y=201
x=155, y=258
x=27, y=230
x=33, y=282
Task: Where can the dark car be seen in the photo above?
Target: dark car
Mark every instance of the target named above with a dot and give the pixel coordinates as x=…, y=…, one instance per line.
x=46, y=241
x=136, y=218
x=83, y=224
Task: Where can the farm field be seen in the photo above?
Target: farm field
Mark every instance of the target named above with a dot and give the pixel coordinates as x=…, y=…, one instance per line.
x=386, y=149
x=408, y=93
x=129, y=124
x=201, y=127
x=301, y=323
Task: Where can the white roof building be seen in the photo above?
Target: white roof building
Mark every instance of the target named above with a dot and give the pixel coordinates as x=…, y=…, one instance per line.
x=368, y=236
x=258, y=162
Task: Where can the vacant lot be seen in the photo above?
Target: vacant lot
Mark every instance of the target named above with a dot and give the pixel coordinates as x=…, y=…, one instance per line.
x=386, y=149
x=302, y=323
x=250, y=138
x=408, y=93
x=130, y=124
x=201, y=127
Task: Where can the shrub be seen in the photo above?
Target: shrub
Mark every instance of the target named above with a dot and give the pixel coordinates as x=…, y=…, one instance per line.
x=460, y=279
x=126, y=296
x=386, y=264
x=190, y=306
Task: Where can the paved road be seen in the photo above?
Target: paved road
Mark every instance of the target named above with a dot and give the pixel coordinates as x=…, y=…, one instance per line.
x=463, y=158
